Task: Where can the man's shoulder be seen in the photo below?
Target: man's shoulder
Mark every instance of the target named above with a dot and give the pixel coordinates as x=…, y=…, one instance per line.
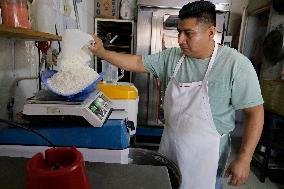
x=169, y=52
x=172, y=51
x=233, y=54
x=232, y=58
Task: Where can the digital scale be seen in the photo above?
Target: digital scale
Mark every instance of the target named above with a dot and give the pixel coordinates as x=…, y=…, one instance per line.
x=83, y=123
x=95, y=109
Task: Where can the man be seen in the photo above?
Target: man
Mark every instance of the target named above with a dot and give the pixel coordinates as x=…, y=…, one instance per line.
x=205, y=83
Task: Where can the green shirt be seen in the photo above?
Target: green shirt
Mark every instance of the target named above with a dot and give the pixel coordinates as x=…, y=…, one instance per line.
x=232, y=84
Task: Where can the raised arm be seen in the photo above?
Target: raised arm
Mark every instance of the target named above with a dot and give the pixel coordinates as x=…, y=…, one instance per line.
x=127, y=62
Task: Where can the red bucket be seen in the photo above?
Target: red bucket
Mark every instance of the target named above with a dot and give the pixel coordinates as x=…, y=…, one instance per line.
x=62, y=168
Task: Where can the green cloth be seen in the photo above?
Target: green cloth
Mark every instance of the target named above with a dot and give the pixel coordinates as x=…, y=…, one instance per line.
x=232, y=82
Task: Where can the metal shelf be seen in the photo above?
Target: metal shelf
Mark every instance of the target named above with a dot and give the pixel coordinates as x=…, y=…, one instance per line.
x=118, y=46
x=26, y=34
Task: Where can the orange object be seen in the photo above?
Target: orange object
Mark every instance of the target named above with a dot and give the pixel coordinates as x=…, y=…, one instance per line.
x=15, y=13
x=62, y=167
x=119, y=92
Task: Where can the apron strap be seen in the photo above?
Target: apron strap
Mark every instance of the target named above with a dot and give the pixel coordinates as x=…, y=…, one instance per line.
x=178, y=65
x=211, y=62
x=210, y=65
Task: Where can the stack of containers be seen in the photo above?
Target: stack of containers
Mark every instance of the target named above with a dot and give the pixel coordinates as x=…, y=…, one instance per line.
x=0, y=16
x=15, y=13
x=124, y=96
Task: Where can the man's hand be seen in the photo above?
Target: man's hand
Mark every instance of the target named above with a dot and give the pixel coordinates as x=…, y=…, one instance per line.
x=238, y=171
x=97, y=47
x=126, y=62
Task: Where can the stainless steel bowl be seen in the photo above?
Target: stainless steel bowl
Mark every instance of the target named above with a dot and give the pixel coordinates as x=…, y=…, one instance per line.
x=147, y=157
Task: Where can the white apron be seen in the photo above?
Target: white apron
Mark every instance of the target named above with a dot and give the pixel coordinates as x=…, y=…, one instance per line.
x=190, y=137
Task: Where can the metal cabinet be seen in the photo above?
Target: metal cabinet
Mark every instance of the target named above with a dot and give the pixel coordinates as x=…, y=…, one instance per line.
x=269, y=154
x=117, y=35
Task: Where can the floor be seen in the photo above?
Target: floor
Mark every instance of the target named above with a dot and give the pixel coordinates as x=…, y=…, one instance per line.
x=253, y=182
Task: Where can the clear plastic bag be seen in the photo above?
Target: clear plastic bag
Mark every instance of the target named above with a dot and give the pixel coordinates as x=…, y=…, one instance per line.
x=44, y=16
x=127, y=9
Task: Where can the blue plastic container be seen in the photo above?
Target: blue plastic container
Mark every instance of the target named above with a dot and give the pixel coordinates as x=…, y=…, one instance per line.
x=81, y=95
x=112, y=135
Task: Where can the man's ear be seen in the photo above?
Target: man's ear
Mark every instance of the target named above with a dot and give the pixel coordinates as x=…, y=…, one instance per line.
x=211, y=32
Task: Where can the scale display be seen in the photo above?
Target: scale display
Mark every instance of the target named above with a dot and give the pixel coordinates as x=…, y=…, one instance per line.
x=100, y=107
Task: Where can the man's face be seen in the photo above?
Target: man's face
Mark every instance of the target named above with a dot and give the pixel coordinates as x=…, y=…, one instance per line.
x=194, y=38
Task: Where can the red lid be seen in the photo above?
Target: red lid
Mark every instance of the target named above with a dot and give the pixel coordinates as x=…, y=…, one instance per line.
x=62, y=167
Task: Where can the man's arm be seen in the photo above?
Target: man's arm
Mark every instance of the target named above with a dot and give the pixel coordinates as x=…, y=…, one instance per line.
x=124, y=61
x=240, y=167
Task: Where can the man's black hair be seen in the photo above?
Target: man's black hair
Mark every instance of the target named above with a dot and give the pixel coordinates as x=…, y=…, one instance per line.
x=203, y=11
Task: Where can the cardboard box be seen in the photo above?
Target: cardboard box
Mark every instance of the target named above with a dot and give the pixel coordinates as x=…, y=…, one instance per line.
x=273, y=95
x=107, y=8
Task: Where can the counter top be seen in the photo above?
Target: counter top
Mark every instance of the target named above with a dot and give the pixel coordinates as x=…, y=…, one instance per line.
x=101, y=175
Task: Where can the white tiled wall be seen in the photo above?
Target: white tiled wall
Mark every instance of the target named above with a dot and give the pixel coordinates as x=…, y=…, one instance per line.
x=19, y=59
x=6, y=74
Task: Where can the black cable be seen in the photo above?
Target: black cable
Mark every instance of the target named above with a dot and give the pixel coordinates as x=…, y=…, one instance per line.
x=76, y=14
x=59, y=46
x=39, y=70
x=13, y=124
